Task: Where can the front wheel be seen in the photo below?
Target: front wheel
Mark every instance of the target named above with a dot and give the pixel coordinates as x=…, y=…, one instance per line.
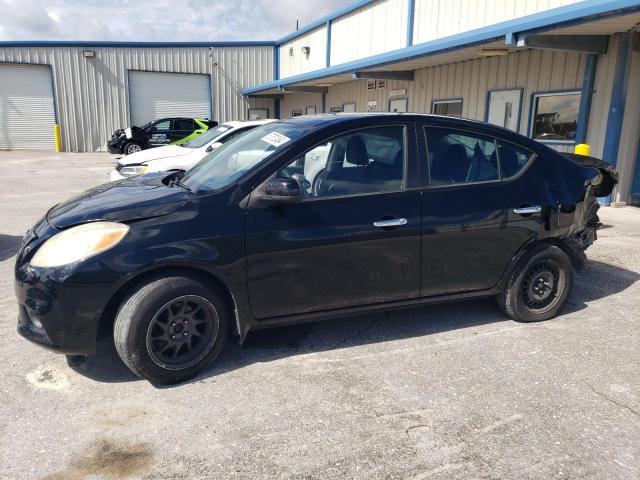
x=132, y=147
x=539, y=286
x=171, y=328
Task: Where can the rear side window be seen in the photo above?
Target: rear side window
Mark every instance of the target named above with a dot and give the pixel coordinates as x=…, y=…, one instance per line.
x=457, y=157
x=512, y=159
x=184, y=124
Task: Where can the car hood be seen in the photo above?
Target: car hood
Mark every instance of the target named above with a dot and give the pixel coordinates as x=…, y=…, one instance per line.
x=131, y=199
x=154, y=154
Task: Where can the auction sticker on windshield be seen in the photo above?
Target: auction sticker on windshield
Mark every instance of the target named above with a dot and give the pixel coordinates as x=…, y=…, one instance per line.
x=276, y=139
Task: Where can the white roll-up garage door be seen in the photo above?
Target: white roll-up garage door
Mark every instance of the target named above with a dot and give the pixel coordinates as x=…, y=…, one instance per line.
x=27, y=113
x=154, y=95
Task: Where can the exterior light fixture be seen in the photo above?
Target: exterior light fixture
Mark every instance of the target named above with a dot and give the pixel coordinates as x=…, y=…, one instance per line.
x=88, y=54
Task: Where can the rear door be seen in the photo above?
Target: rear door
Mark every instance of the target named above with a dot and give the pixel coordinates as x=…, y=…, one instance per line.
x=181, y=129
x=471, y=229
x=354, y=240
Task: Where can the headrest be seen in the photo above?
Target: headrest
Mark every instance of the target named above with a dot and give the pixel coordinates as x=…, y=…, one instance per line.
x=357, y=151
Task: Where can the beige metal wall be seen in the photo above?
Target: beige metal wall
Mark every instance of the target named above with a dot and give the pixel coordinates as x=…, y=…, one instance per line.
x=532, y=70
x=299, y=101
x=293, y=61
x=376, y=28
x=91, y=93
x=441, y=18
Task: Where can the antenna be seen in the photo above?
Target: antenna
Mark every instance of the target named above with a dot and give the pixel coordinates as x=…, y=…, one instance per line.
x=297, y=25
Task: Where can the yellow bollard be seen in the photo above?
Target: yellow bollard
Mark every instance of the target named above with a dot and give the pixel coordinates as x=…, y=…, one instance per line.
x=56, y=135
x=582, y=149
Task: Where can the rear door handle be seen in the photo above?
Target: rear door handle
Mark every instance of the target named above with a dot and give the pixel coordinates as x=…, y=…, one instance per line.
x=527, y=210
x=392, y=222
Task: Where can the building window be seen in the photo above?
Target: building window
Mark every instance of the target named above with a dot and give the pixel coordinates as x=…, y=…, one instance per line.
x=296, y=113
x=448, y=108
x=555, y=116
x=258, y=113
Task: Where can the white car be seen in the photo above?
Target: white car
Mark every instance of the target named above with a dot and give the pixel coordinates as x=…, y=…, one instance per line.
x=181, y=157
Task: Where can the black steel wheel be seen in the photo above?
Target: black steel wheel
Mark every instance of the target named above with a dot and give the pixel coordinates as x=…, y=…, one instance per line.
x=539, y=285
x=182, y=332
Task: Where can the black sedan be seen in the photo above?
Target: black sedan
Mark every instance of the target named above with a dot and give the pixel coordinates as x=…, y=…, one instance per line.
x=166, y=131
x=402, y=210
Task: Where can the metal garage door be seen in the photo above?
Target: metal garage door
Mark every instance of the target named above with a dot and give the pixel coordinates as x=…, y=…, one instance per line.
x=154, y=95
x=27, y=113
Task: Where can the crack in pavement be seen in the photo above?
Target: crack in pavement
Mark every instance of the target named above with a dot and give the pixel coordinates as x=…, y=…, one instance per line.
x=358, y=333
x=622, y=405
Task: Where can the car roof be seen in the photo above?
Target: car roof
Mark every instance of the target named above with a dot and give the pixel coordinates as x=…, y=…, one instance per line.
x=325, y=119
x=246, y=123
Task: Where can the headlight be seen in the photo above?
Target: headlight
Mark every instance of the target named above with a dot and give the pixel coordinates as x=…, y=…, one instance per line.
x=130, y=171
x=79, y=243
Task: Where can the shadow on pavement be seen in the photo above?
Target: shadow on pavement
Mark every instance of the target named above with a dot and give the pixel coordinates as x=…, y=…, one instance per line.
x=9, y=246
x=598, y=281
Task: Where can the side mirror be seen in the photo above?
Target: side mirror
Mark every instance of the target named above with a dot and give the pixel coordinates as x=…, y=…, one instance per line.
x=213, y=147
x=281, y=191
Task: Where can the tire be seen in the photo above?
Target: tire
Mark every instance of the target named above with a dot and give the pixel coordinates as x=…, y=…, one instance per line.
x=161, y=335
x=131, y=147
x=539, y=285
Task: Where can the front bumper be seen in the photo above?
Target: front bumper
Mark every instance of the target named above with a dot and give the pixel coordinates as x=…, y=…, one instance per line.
x=115, y=145
x=58, y=308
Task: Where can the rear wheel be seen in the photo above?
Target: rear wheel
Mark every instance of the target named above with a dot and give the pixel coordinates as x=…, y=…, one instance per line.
x=132, y=147
x=539, y=286
x=171, y=328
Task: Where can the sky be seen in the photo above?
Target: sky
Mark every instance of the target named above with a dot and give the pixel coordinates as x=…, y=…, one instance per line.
x=160, y=20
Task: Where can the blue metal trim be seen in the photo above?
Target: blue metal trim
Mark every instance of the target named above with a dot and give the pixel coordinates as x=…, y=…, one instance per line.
x=411, y=22
x=276, y=63
x=570, y=14
x=328, y=61
x=615, y=117
x=276, y=108
x=635, y=183
x=446, y=100
x=585, y=99
x=531, y=114
x=321, y=21
x=80, y=43
x=486, y=105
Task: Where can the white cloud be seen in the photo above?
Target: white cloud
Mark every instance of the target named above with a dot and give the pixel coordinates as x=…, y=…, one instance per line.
x=161, y=20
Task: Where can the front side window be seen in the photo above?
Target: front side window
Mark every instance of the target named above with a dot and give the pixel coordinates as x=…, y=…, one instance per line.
x=460, y=157
x=364, y=161
x=555, y=116
x=448, y=108
x=233, y=160
x=162, y=126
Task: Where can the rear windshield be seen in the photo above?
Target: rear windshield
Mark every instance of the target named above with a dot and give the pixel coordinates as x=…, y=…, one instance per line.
x=208, y=136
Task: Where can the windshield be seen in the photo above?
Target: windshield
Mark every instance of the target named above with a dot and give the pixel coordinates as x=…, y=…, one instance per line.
x=230, y=162
x=208, y=136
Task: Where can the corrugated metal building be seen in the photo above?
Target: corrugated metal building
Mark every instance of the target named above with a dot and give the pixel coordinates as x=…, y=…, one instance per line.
x=561, y=71
x=90, y=84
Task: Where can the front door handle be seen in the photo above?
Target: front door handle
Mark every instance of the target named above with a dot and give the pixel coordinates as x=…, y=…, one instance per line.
x=527, y=210
x=392, y=222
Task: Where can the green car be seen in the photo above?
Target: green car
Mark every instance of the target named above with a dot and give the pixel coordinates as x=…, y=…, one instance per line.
x=161, y=132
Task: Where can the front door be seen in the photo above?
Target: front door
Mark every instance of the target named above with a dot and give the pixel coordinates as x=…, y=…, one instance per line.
x=504, y=108
x=353, y=240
